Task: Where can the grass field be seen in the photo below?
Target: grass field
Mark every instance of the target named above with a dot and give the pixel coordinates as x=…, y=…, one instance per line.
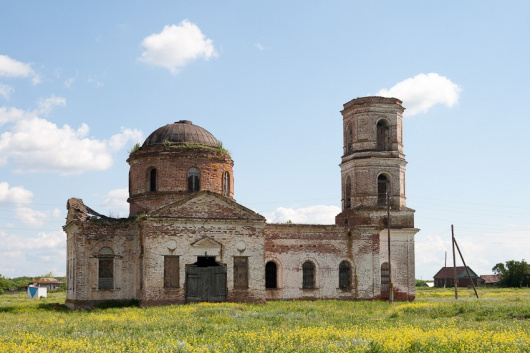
x=497, y=322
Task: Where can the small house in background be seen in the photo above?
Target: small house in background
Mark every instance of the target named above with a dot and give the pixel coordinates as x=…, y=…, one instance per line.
x=37, y=292
x=491, y=280
x=48, y=283
x=445, y=277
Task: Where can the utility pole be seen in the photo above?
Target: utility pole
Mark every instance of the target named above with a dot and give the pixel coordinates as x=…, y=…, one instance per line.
x=390, y=284
x=445, y=266
x=467, y=268
x=454, y=262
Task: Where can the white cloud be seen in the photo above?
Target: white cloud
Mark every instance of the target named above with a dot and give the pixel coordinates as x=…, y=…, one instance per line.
x=15, y=194
x=45, y=105
x=176, y=46
x=36, y=218
x=69, y=83
x=8, y=114
x=31, y=217
x=319, y=214
x=11, y=68
x=37, y=145
x=116, y=202
x=42, y=240
x=34, y=255
x=423, y=91
x=6, y=90
x=259, y=46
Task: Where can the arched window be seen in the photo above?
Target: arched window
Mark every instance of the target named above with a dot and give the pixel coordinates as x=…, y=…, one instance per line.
x=308, y=275
x=383, y=186
x=344, y=275
x=226, y=184
x=385, y=277
x=347, y=193
x=349, y=139
x=106, y=268
x=383, y=136
x=194, y=177
x=271, y=275
x=152, y=180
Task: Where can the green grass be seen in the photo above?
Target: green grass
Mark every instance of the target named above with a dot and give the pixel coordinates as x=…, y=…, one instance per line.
x=497, y=322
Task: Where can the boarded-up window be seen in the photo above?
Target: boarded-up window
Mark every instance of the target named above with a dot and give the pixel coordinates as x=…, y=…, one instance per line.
x=382, y=189
x=171, y=271
x=194, y=177
x=271, y=273
x=240, y=272
x=385, y=277
x=308, y=275
x=344, y=275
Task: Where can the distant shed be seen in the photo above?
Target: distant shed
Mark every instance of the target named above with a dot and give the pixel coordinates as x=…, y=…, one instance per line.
x=491, y=280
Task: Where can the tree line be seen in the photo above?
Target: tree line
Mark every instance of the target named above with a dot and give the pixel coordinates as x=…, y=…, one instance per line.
x=16, y=283
x=513, y=273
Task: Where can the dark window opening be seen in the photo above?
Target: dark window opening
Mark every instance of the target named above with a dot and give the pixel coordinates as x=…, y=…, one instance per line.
x=271, y=273
x=226, y=184
x=382, y=189
x=344, y=275
x=206, y=261
x=385, y=277
x=171, y=272
x=349, y=139
x=347, y=192
x=106, y=268
x=308, y=275
x=194, y=179
x=152, y=180
x=383, y=136
x=240, y=272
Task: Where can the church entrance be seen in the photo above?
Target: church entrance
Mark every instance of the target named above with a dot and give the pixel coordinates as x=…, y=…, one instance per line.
x=205, y=281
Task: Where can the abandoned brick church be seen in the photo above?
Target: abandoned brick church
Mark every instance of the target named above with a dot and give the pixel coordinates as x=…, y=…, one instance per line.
x=187, y=240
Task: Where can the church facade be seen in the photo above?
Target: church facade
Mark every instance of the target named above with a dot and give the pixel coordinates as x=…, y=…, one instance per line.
x=188, y=240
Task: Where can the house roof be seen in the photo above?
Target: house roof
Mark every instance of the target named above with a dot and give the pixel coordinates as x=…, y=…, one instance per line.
x=491, y=278
x=448, y=272
x=46, y=281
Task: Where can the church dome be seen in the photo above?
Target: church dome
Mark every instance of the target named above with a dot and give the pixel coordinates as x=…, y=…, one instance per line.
x=181, y=132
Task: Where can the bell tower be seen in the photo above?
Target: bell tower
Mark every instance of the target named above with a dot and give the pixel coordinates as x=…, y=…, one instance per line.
x=373, y=164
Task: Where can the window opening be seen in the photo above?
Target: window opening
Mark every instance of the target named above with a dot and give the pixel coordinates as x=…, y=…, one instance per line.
x=383, y=136
x=106, y=268
x=308, y=275
x=271, y=273
x=194, y=179
x=344, y=275
x=349, y=139
x=347, y=191
x=385, y=277
x=152, y=180
x=226, y=184
x=382, y=188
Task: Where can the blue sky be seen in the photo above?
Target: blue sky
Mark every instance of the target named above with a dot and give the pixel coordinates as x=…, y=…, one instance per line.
x=81, y=83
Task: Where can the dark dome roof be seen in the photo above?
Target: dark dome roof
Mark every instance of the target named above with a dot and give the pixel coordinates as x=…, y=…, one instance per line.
x=182, y=131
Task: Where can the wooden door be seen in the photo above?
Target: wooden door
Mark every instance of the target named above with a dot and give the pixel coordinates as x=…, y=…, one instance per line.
x=205, y=284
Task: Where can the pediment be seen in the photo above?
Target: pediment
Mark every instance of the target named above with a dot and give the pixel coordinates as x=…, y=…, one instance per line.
x=207, y=243
x=207, y=205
